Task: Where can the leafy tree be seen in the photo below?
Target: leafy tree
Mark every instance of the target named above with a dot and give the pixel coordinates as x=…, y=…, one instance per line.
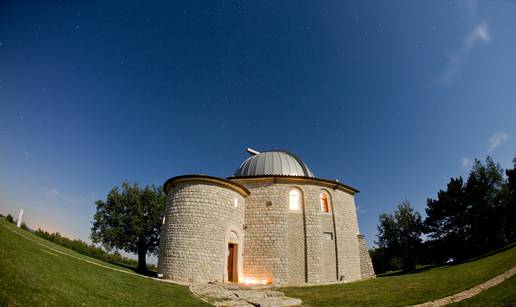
x=472, y=218
x=130, y=219
x=399, y=234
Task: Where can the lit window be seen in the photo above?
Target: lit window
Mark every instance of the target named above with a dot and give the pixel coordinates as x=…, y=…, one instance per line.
x=293, y=200
x=324, y=203
x=235, y=203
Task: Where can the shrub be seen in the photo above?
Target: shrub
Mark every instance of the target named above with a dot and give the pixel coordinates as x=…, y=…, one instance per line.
x=89, y=250
x=9, y=218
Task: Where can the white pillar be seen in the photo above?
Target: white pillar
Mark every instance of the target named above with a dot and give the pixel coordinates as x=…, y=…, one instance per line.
x=20, y=216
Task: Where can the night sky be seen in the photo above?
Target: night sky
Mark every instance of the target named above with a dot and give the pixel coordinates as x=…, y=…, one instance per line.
x=390, y=97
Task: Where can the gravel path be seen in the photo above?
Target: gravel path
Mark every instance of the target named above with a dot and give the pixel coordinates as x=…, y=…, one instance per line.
x=242, y=296
x=470, y=292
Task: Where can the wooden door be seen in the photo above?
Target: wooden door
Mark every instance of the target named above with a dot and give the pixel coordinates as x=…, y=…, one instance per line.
x=232, y=263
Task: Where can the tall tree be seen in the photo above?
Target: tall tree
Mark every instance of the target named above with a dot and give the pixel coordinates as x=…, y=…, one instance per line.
x=483, y=195
x=509, y=219
x=130, y=219
x=400, y=234
x=447, y=221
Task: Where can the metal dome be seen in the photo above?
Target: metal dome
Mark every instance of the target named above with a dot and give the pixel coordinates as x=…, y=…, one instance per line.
x=275, y=162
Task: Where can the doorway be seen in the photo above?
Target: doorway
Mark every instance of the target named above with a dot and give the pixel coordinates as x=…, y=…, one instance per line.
x=232, y=262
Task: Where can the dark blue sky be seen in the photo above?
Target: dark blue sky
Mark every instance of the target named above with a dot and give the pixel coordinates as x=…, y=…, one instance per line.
x=391, y=97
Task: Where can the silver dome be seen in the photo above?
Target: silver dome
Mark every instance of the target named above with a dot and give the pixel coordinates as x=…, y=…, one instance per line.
x=277, y=163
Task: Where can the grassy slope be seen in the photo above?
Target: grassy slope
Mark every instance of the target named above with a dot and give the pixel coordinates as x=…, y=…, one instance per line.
x=410, y=288
x=503, y=294
x=33, y=275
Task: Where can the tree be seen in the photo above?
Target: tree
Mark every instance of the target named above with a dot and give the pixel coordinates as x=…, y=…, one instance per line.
x=24, y=226
x=485, y=206
x=9, y=218
x=400, y=234
x=509, y=221
x=383, y=261
x=447, y=221
x=130, y=219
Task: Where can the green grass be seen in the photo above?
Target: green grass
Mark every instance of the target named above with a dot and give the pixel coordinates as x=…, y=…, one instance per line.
x=32, y=275
x=503, y=294
x=409, y=289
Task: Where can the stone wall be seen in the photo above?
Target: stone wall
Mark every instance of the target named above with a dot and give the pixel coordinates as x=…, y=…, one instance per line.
x=305, y=246
x=296, y=245
x=266, y=246
x=200, y=218
x=366, y=265
x=346, y=225
x=275, y=244
x=328, y=248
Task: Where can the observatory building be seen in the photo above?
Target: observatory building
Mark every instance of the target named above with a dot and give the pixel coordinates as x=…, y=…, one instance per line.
x=272, y=222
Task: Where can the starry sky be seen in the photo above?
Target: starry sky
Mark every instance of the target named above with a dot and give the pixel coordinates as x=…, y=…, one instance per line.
x=390, y=97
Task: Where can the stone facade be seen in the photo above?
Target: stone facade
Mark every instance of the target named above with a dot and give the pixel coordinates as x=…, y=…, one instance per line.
x=366, y=265
x=274, y=243
x=201, y=218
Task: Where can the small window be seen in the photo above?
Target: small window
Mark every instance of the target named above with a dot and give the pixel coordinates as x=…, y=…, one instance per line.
x=294, y=200
x=325, y=207
x=328, y=236
x=235, y=203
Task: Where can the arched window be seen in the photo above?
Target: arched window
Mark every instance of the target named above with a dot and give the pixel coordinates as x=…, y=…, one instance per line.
x=294, y=199
x=325, y=204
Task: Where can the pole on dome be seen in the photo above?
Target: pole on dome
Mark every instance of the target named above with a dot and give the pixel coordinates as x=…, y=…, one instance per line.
x=252, y=151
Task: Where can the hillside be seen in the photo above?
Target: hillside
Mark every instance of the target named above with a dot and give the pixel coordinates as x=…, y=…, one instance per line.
x=37, y=272
x=428, y=284
x=34, y=271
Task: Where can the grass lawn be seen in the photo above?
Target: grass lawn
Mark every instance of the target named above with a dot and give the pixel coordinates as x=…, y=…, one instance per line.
x=503, y=294
x=419, y=287
x=32, y=275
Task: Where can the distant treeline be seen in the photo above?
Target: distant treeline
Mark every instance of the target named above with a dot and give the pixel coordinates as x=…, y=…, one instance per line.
x=467, y=219
x=10, y=219
x=82, y=247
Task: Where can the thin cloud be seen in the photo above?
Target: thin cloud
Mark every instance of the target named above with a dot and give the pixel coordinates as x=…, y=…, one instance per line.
x=470, y=5
x=465, y=162
x=496, y=140
x=478, y=35
x=55, y=194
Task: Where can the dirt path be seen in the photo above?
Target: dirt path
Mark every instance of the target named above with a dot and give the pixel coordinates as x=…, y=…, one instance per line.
x=470, y=292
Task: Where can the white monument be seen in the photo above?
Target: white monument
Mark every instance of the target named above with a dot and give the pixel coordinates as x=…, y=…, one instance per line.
x=20, y=216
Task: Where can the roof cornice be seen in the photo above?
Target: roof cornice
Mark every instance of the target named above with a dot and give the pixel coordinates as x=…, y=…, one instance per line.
x=313, y=180
x=175, y=181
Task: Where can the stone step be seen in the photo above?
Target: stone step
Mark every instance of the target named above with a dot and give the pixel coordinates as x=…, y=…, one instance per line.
x=275, y=302
x=222, y=296
x=249, y=294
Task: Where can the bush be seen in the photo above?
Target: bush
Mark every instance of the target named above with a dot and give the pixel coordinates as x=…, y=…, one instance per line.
x=24, y=226
x=89, y=250
x=9, y=218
